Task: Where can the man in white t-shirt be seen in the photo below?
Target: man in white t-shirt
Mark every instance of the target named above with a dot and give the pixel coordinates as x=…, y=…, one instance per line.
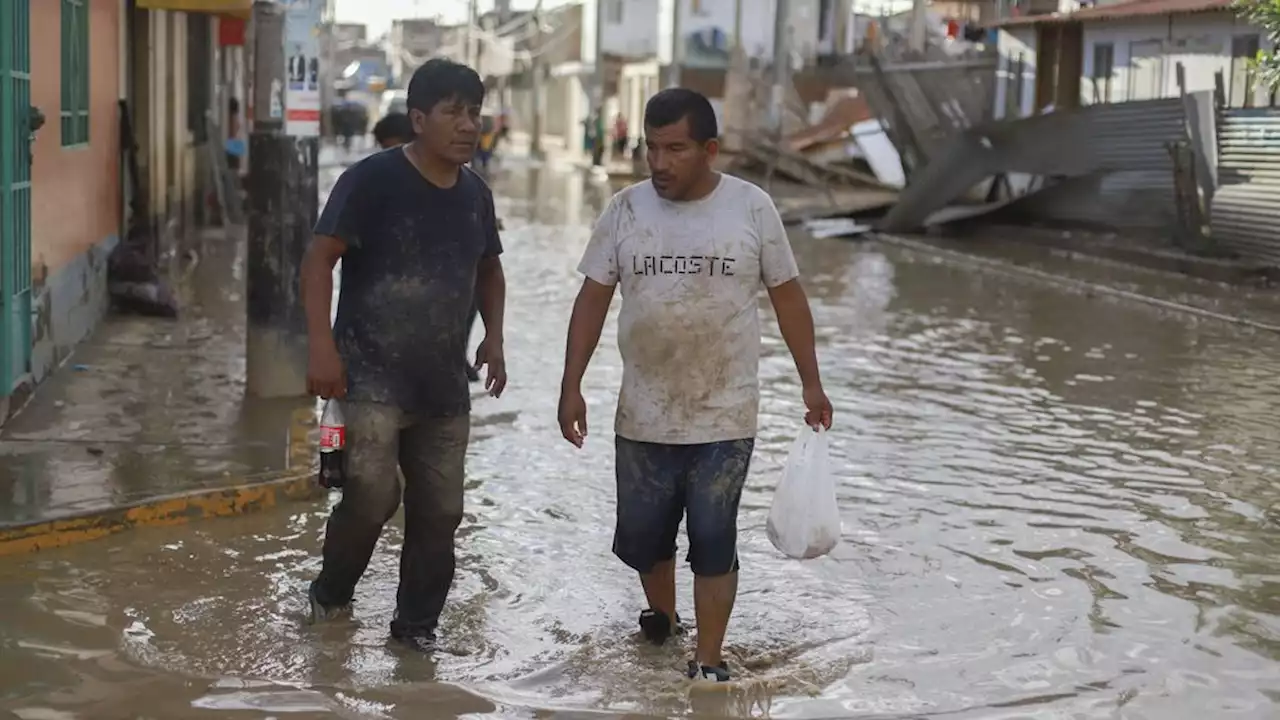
x=690, y=249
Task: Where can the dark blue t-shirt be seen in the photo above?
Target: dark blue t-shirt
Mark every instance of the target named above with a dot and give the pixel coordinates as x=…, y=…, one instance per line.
x=408, y=281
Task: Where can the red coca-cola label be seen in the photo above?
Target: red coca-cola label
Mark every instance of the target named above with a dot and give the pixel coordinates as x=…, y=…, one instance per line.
x=332, y=438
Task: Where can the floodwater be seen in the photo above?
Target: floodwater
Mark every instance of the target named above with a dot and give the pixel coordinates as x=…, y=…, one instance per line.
x=1054, y=506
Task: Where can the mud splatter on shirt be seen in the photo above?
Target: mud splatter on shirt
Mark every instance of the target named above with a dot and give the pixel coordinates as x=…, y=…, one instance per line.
x=408, y=281
x=690, y=274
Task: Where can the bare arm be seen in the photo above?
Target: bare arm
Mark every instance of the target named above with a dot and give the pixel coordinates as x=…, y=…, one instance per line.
x=491, y=300
x=324, y=374
x=795, y=320
x=796, y=323
x=599, y=265
x=589, y=312
x=317, y=288
x=491, y=297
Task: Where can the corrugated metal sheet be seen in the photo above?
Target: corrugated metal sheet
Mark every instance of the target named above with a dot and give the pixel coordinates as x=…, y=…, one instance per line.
x=1115, y=156
x=1245, y=215
x=1129, y=145
x=935, y=100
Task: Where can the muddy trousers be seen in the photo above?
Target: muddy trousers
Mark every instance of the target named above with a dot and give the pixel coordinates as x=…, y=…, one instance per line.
x=430, y=453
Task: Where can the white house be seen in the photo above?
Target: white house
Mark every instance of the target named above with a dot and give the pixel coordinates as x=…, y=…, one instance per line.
x=706, y=29
x=630, y=28
x=1125, y=51
x=628, y=32
x=641, y=37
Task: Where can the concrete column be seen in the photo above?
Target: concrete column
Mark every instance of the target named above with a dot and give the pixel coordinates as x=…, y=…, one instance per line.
x=283, y=200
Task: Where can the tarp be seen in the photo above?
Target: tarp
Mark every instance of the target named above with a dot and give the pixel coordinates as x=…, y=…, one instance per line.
x=238, y=8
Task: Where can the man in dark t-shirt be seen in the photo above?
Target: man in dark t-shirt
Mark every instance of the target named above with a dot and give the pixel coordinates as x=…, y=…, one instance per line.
x=396, y=129
x=417, y=236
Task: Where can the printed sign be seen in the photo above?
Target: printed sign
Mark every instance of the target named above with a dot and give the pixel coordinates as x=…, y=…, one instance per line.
x=302, y=27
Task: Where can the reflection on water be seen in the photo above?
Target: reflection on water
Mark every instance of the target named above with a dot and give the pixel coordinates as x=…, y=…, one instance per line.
x=1055, y=506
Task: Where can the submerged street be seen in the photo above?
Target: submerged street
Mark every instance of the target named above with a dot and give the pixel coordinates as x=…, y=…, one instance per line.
x=1054, y=506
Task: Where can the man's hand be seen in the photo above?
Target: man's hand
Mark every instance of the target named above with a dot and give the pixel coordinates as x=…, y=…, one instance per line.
x=326, y=377
x=573, y=416
x=817, y=408
x=489, y=355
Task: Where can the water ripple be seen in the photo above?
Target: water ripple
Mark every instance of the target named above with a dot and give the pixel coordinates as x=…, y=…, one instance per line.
x=1053, y=508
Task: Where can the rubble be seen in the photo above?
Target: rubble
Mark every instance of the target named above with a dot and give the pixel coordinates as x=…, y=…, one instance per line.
x=824, y=156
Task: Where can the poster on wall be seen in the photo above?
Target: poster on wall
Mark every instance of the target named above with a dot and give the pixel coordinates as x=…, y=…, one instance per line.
x=302, y=25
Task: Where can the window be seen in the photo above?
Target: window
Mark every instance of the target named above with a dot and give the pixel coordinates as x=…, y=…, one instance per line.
x=1244, y=49
x=1013, y=87
x=826, y=16
x=75, y=72
x=1104, y=58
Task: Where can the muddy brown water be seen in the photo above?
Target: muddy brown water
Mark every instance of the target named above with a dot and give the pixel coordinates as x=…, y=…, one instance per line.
x=1055, y=506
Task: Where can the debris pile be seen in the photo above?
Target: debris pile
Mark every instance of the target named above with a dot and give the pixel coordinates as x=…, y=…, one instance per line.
x=838, y=149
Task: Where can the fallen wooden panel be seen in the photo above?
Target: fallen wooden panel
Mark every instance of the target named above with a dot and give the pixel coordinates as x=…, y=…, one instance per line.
x=842, y=202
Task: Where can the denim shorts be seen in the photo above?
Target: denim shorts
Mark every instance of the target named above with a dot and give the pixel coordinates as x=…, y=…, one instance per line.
x=658, y=484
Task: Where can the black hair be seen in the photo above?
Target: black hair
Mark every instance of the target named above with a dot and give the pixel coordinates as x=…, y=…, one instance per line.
x=393, y=126
x=441, y=79
x=233, y=106
x=672, y=105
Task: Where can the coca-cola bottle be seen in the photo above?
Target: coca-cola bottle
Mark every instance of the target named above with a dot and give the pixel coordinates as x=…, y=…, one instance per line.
x=333, y=446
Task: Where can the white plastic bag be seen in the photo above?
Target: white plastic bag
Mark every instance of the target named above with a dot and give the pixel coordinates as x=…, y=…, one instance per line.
x=804, y=521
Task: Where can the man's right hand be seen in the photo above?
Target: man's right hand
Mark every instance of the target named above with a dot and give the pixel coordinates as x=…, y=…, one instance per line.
x=326, y=377
x=573, y=416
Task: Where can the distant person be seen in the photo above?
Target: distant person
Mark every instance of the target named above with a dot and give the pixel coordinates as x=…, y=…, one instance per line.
x=504, y=124
x=690, y=249
x=393, y=130
x=416, y=232
x=620, y=139
x=597, y=135
x=234, y=145
x=488, y=139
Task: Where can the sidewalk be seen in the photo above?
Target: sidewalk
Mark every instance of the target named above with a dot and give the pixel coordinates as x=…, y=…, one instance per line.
x=147, y=422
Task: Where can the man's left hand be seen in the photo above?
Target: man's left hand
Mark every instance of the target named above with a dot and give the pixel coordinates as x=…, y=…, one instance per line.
x=489, y=355
x=817, y=408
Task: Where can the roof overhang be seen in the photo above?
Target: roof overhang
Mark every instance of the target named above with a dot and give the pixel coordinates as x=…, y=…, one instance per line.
x=235, y=8
x=1118, y=11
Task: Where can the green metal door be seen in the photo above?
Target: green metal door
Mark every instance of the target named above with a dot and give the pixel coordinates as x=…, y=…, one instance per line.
x=15, y=192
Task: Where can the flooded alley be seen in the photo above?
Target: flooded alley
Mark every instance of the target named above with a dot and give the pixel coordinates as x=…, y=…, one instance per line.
x=1055, y=506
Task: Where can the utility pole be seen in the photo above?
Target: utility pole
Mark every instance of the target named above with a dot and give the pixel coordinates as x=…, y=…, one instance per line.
x=282, y=200
x=781, y=64
x=329, y=45
x=539, y=102
x=919, y=15
x=677, y=45
x=737, y=26
x=597, y=82
x=470, y=35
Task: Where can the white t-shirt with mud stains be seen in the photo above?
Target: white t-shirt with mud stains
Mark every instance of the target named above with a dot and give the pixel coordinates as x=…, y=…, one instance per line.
x=689, y=330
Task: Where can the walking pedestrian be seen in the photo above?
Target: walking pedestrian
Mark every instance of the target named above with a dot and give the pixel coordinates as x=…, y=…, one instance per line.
x=234, y=145
x=416, y=233
x=396, y=129
x=484, y=148
x=690, y=249
x=620, y=138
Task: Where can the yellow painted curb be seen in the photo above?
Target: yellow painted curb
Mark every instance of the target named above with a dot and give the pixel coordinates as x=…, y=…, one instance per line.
x=158, y=512
x=252, y=494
